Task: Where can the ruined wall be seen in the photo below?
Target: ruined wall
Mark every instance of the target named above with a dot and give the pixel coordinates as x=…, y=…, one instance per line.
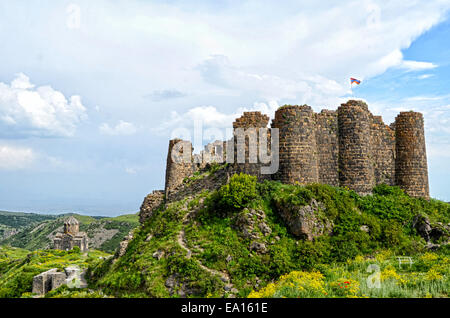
x=382, y=151
x=179, y=163
x=298, y=149
x=151, y=202
x=327, y=147
x=411, y=171
x=356, y=169
x=252, y=165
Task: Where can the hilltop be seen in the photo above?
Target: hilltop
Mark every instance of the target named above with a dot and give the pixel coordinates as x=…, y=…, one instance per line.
x=245, y=234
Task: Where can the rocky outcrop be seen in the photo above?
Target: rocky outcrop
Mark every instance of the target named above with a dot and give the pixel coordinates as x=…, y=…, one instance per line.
x=306, y=222
x=251, y=224
x=151, y=202
x=123, y=246
x=430, y=232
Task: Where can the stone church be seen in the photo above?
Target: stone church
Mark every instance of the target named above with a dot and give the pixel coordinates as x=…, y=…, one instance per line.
x=71, y=236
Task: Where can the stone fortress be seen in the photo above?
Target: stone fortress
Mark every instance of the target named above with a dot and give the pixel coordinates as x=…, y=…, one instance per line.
x=71, y=237
x=348, y=147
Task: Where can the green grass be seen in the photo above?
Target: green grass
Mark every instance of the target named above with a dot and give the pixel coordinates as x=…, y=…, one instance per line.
x=19, y=266
x=376, y=277
x=130, y=218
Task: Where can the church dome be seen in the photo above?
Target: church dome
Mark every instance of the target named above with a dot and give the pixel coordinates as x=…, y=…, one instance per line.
x=71, y=221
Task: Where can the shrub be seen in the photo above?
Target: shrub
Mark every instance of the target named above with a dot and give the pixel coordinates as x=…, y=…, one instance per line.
x=239, y=192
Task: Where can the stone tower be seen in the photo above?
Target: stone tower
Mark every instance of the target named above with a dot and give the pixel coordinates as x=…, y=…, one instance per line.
x=247, y=135
x=298, y=149
x=179, y=164
x=71, y=226
x=411, y=171
x=355, y=166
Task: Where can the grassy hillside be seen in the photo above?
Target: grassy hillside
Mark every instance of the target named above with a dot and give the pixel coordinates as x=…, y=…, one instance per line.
x=13, y=222
x=104, y=233
x=234, y=242
x=19, y=266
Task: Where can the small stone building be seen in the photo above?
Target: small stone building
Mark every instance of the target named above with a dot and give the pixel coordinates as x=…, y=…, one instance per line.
x=71, y=237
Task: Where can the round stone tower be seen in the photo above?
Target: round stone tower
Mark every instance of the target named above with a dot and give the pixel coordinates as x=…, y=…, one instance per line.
x=71, y=226
x=179, y=163
x=247, y=141
x=356, y=171
x=411, y=171
x=298, y=150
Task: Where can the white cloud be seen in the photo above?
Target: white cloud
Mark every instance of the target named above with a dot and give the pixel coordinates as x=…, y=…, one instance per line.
x=423, y=98
x=43, y=111
x=15, y=158
x=123, y=128
x=130, y=170
x=417, y=66
x=425, y=76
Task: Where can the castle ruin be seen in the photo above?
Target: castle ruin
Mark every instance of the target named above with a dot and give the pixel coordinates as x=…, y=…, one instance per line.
x=349, y=147
x=71, y=236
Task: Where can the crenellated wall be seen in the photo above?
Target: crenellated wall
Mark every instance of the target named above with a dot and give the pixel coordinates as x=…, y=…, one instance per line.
x=349, y=147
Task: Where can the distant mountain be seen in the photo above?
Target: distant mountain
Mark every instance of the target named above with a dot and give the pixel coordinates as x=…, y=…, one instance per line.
x=35, y=231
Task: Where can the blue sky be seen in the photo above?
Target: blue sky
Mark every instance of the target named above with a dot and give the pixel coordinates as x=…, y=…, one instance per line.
x=91, y=91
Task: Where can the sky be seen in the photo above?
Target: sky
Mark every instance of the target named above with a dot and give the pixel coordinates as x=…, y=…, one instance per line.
x=91, y=91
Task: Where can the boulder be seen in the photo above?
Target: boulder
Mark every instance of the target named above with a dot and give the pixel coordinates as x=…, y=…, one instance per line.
x=258, y=247
x=430, y=232
x=307, y=221
x=250, y=223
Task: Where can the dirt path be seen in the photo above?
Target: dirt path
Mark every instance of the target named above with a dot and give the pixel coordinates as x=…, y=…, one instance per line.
x=181, y=239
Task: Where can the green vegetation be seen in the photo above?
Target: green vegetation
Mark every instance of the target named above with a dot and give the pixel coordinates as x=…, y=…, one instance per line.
x=19, y=266
x=233, y=241
x=428, y=276
x=208, y=225
x=11, y=222
x=39, y=235
x=238, y=193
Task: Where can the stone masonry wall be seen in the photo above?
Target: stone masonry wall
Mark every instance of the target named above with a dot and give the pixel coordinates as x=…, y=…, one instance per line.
x=382, y=151
x=151, y=202
x=327, y=147
x=298, y=150
x=181, y=167
x=356, y=169
x=349, y=147
x=250, y=120
x=411, y=171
